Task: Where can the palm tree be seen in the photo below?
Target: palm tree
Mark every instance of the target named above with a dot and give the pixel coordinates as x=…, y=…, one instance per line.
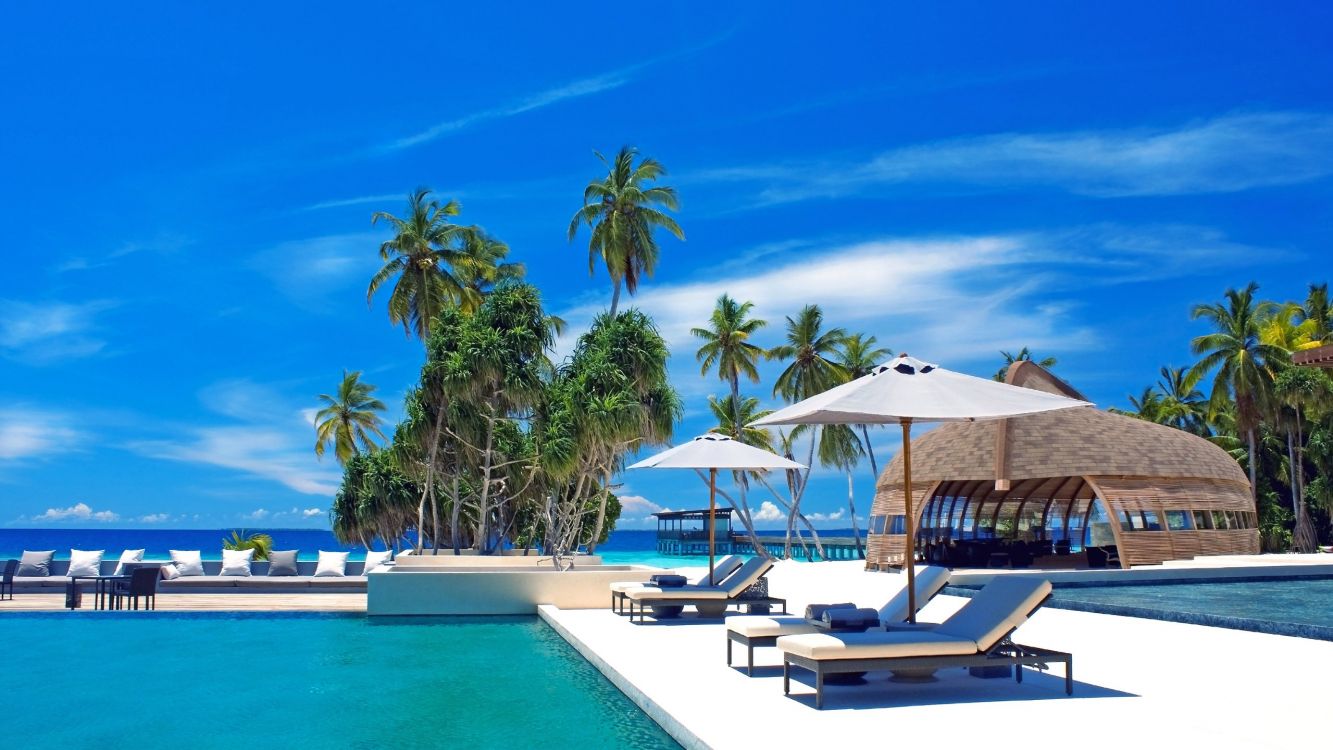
x=1239, y=361
x=480, y=266
x=814, y=369
x=1024, y=355
x=727, y=345
x=840, y=449
x=623, y=210
x=1146, y=406
x=859, y=356
x=1182, y=405
x=1318, y=312
x=348, y=420
x=422, y=253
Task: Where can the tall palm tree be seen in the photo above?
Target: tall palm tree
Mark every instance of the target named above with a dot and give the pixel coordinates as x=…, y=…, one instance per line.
x=1024, y=355
x=348, y=420
x=422, y=255
x=1317, y=311
x=1146, y=406
x=727, y=345
x=480, y=266
x=623, y=210
x=814, y=368
x=859, y=356
x=1182, y=405
x=1239, y=361
x=839, y=448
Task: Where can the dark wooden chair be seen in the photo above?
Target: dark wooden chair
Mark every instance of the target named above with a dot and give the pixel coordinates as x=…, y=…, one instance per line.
x=7, y=579
x=142, y=583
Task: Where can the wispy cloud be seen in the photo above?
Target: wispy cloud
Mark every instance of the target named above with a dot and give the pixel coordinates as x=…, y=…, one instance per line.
x=1220, y=155
x=328, y=264
x=571, y=90
x=155, y=518
x=358, y=201
x=78, y=512
x=48, y=332
x=31, y=433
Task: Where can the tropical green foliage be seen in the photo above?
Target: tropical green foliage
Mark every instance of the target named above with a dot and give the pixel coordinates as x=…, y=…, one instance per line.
x=348, y=420
x=262, y=544
x=422, y=255
x=624, y=210
x=1277, y=419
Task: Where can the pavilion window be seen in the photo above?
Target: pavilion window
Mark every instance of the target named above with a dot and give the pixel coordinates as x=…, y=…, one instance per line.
x=897, y=524
x=1150, y=522
x=1232, y=523
x=1219, y=520
x=969, y=520
x=1006, y=520
x=1202, y=520
x=1179, y=520
x=1055, y=522
x=956, y=517
x=877, y=524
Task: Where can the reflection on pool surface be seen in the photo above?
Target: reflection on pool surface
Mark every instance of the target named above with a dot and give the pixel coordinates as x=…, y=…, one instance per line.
x=135, y=680
x=1299, y=602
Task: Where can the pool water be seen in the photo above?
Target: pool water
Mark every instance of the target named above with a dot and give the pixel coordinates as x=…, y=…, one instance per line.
x=1302, y=602
x=136, y=680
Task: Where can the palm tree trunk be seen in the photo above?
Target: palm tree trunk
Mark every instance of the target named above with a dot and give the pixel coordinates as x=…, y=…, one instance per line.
x=601, y=511
x=615, y=298
x=851, y=508
x=1254, y=481
x=454, y=511
x=1291, y=466
x=870, y=451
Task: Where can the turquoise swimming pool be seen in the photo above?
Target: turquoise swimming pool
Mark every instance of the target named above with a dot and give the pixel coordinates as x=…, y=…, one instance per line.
x=130, y=680
x=1302, y=607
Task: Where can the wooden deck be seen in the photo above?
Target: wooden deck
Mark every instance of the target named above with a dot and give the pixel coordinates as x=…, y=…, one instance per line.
x=206, y=603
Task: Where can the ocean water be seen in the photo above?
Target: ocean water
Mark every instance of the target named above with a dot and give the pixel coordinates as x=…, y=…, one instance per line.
x=157, y=680
x=624, y=546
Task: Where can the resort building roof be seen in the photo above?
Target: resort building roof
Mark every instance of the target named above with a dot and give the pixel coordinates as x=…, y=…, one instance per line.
x=1320, y=357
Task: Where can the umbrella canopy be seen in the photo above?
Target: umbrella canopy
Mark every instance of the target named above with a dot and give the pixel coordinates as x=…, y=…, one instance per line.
x=715, y=452
x=908, y=390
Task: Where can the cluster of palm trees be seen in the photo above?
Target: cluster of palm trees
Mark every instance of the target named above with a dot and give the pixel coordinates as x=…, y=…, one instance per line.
x=500, y=445
x=1244, y=394
x=817, y=358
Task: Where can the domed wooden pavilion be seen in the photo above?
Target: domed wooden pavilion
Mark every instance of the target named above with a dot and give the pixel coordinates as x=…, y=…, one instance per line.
x=1064, y=489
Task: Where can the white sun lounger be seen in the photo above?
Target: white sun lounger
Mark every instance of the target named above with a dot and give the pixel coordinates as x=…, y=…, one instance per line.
x=978, y=635
x=725, y=593
x=721, y=569
x=754, y=631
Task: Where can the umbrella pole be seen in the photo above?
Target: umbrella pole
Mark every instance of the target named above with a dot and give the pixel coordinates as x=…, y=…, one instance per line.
x=911, y=532
x=712, y=520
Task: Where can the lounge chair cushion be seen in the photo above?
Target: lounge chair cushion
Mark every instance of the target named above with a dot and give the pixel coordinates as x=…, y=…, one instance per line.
x=721, y=569
x=875, y=644
x=283, y=563
x=128, y=556
x=745, y=576
x=684, y=592
x=332, y=564
x=758, y=626
x=85, y=562
x=929, y=580
x=999, y=607
x=35, y=564
x=187, y=562
x=621, y=587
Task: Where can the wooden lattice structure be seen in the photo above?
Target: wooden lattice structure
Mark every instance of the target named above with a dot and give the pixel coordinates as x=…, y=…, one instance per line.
x=1076, y=478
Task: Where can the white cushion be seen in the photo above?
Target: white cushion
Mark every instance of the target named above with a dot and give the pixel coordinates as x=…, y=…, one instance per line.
x=187, y=563
x=723, y=568
x=375, y=559
x=746, y=575
x=684, y=592
x=623, y=586
x=929, y=580
x=170, y=572
x=128, y=556
x=85, y=562
x=332, y=564
x=999, y=607
x=758, y=626
x=236, y=562
x=874, y=644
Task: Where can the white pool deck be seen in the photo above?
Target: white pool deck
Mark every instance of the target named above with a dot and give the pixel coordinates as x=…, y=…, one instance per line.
x=1139, y=683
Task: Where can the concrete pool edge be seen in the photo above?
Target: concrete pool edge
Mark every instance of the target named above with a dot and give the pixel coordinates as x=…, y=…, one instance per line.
x=670, y=724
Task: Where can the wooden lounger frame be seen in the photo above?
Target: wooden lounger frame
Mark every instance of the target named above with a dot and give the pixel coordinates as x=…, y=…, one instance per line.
x=1004, y=653
x=645, y=604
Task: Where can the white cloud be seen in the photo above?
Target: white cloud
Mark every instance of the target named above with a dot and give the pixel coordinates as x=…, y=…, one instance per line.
x=28, y=433
x=78, y=512
x=825, y=517
x=357, y=201
x=312, y=512
x=155, y=518
x=49, y=332
x=257, y=515
x=262, y=452
x=571, y=90
x=328, y=264
x=768, y=513
x=1224, y=154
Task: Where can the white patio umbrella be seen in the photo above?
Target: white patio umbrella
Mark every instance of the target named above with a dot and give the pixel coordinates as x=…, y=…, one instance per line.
x=715, y=452
x=908, y=390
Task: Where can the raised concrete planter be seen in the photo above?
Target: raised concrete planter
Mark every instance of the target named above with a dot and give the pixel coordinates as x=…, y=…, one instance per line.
x=494, y=590
x=452, y=561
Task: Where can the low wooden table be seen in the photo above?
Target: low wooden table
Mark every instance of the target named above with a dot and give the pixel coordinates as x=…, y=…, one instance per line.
x=101, y=590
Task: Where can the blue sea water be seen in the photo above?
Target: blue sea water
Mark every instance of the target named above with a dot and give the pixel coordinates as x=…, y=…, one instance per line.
x=150, y=680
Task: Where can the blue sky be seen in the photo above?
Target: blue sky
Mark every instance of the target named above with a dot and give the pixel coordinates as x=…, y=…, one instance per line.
x=187, y=194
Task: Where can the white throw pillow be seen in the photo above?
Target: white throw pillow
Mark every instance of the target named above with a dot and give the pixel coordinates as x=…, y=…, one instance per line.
x=332, y=564
x=375, y=559
x=188, y=563
x=236, y=562
x=85, y=563
x=170, y=572
x=128, y=556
